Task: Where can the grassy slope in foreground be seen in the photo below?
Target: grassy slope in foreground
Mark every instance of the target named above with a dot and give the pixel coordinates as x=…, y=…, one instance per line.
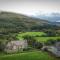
x=36, y=55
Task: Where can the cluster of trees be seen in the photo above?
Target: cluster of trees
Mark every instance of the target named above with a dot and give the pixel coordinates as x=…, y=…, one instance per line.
x=52, y=41
x=52, y=33
x=32, y=42
x=45, y=27
x=2, y=45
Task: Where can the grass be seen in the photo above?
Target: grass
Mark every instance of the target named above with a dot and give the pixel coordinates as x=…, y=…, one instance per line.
x=20, y=35
x=39, y=34
x=36, y=55
x=44, y=39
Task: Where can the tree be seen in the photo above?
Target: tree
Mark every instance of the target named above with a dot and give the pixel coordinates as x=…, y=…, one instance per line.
x=32, y=42
x=2, y=45
x=38, y=45
x=50, y=42
x=51, y=33
x=30, y=39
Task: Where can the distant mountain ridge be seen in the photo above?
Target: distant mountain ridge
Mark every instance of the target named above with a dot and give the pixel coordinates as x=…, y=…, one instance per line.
x=52, y=17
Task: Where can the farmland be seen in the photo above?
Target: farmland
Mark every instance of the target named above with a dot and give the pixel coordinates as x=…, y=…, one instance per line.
x=37, y=35
x=44, y=39
x=21, y=35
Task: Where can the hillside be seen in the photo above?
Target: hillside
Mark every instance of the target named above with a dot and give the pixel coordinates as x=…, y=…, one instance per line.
x=13, y=22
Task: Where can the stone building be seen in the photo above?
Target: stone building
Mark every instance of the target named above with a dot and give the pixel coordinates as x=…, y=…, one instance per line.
x=15, y=46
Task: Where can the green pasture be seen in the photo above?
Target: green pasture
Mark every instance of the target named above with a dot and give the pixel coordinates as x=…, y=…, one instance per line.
x=36, y=55
x=44, y=39
x=20, y=35
x=40, y=38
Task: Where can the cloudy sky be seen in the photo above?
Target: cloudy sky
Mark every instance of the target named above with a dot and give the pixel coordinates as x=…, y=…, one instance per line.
x=30, y=6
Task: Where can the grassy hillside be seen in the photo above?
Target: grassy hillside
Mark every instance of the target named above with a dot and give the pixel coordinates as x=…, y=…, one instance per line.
x=36, y=55
x=13, y=22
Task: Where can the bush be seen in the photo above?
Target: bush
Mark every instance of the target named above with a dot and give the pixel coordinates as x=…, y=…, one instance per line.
x=51, y=33
x=58, y=40
x=50, y=42
x=38, y=45
x=32, y=42
x=30, y=39
x=2, y=45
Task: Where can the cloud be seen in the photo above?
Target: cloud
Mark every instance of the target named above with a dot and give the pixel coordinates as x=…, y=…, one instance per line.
x=30, y=6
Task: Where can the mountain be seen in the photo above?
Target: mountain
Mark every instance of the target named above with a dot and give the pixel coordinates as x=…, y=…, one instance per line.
x=14, y=22
x=56, y=23
x=52, y=17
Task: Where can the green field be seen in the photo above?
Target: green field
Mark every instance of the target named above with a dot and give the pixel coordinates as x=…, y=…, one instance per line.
x=44, y=39
x=36, y=55
x=20, y=35
x=40, y=38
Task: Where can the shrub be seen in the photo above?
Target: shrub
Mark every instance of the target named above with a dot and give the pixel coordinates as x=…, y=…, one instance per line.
x=32, y=42
x=2, y=45
x=58, y=40
x=38, y=45
x=50, y=42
